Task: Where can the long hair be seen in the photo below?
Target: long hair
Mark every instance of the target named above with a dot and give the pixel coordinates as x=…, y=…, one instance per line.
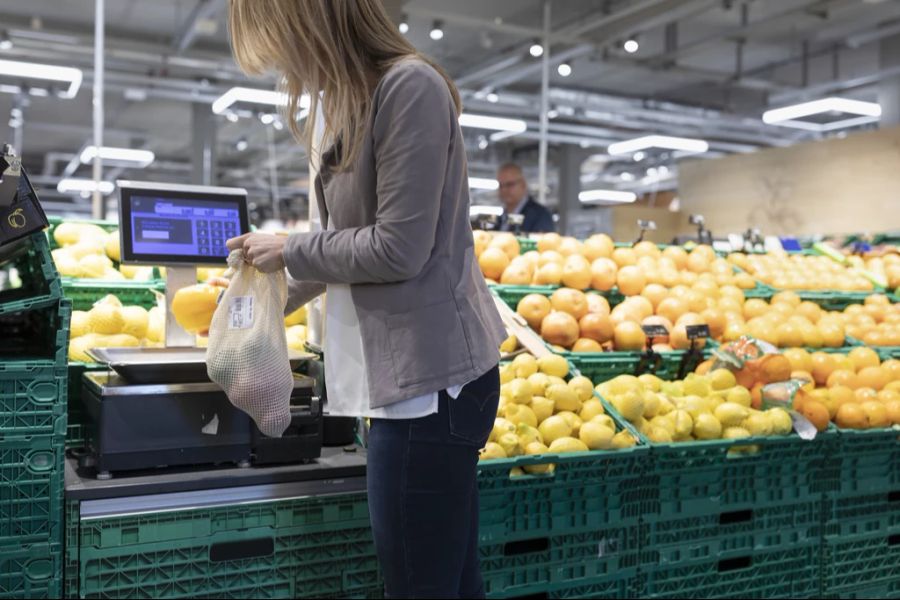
x=339, y=48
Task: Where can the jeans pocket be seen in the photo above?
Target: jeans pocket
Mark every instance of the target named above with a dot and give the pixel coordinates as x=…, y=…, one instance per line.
x=472, y=413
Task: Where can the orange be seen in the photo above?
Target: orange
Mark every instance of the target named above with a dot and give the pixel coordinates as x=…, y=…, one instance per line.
x=697, y=263
x=715, y=318
x=799, y=358
x=816, y=412
x=560, y=328
x=893, y=411
x=756, y=396
x=597, y=246
x=873, y=377
x=603, y=274
x=841, y=394
x=493, y=261
x=655, y=293
x=876, y=413
x=704, y=367
x=641, y=305
x=646, y=248
x=550, y=241
x=696, y=301
x=569, y=246
x=774, y=367
x=843, y=377
x=624, y=312
x=624, y=257
x=806, y=376
x=631, y=280
x=864, y=357
x=841, y=361
x=810, y=310
x=570, y=301
x=789, y=297
x=519, y=272
x=672, y=308
x=864, y=394
x=586, y=345
x=745, y=377
x=877, y=300
x=629, y=336
x=577, y=272
x=548, y=274
x=832, y=335
x=892, y=368
x=734, y=331
x=755, y=307
x=789, y=335
x=677, y=254
x=679, y=339
x=506, y=242
x=887, y=395
x=894, y=385
x=597, y=304
x=851, y=416
x=551, y=256
x=596, y=326
x=534, y=307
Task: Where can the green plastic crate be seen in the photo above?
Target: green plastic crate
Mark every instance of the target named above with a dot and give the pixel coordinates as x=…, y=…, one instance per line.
x=32, y=400
x=76, y=433
x=296, y=548
x=868, y=462
x=858, y=562
x=33, y=571
x=31, y=469
x=526, y=244
x=833, y=300
x=606, y=587
x=27, y=273
x=758, y=573
x=85, y=292
x=35, y=333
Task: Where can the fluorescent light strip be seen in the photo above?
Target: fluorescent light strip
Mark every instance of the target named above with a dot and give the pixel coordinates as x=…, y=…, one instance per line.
x=482, y=183
x=607, y=196
x=817, y=107
x=254, y=96
x=658, y=141
x=494, y=123
x=69, y=75
x=72, y=184
x=140, y=158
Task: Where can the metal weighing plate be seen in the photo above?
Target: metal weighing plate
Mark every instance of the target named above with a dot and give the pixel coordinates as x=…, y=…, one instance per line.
x=166, y=365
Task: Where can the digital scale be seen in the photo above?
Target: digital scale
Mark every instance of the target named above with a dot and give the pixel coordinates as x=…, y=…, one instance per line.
x=157, y=407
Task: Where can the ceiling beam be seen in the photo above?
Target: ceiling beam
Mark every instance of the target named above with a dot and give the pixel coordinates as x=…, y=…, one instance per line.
x=203, y=11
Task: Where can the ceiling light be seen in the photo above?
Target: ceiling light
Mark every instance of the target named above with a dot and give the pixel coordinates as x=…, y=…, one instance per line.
x=267, y=118
x=5, y=42
x=495, y=123
x=663, y=170
x=25, y=70
x=536, y=50
x=232, y=117
x=437, y=31
x=626, y=176
x=483, y=142
x=788, y=116
x=493, y=98
x=658, y=141
x=135, y=158
x=404, y=27
x=483, y=183
x=552, y=113
x=241, y=145
x=631, y=46
x=253, y=96
x=564, y=69
x=639, y=156
x=71, y=184
x=607, y=196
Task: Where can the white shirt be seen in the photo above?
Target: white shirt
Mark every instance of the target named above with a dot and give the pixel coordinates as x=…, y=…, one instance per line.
x=519, y=208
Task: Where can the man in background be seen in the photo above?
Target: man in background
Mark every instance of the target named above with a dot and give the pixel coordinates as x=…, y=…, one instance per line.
x=516, y=201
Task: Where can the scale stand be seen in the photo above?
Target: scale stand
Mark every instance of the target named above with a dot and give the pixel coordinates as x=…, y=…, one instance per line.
x=644, y=226
x=178, y=277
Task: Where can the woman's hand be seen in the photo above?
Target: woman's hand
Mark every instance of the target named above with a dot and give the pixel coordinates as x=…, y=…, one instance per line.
x=261, y=250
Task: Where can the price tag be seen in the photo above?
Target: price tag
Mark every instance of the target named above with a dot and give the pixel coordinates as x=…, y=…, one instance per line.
x=695, y=332
x=655, y=331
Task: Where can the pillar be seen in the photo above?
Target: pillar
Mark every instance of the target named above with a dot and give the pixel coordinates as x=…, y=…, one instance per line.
x=203, y=145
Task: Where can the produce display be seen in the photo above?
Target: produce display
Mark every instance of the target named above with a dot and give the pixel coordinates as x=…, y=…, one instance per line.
x=110, y=324
x=540, y=413
x=875, y=323
x=87, y=251
x=886, y=267
x=598, y=264
x=855, y=391
x=700, y=407
x=801, y=272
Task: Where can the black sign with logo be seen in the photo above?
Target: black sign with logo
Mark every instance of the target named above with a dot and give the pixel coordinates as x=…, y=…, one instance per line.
x=697, y=331
x=655, y=331
x=20, y=211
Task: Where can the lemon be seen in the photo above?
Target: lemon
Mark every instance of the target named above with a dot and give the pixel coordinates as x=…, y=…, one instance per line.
x=630, y=405
x=780, y=421
x=507, y=374
x=696, y=386
x=722, y=379
x=683, y=424
x=539, y=383
x=623, y=439
x=542, y=407
x=296, y=337
x=730, y=414
x=739, y=395
x=537, y=448
x=673, y=389
x=298, y=317
x=194, y=305
x=510, y=444
x=758, y=424
x=665, y=406
x=591, y=409
x=528, y=434
x=582, y=387
x=110, y=299
x=156, y=328
x=567, y=444
x=509, y=344
x=604, y=420
x=113, y=249
x=554, y=365
x=66, y=264
x=94, y=266
x=524, y=365
x=659, y=435
x=623, y=384
x=112, y=274
x=520, y=413
x=520, y=391
x=573, y=420
x=501, y=426
x=88, y=247
x=563, y=397
x=79, y=346
x=106, y=319
x=651, y=382
x=516, y=472
x=123, y=340
x=596, y=436
x=137, y=320
x=707, y=427
x=67, y=234
x=651, y=404
x=491, y=451
x=80, y=324
x=554, y=427
x=735, y=433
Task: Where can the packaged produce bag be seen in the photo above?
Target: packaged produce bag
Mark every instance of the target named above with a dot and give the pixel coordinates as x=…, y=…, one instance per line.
x=247, y=353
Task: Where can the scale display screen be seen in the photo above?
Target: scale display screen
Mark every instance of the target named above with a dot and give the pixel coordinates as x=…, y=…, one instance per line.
x=185, y=224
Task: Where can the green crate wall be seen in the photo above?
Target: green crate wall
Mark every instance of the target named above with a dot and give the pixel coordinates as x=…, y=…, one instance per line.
x=27, y=269
x=297, y=548
x=35, y=333
x=31, y=571
x=32, y=400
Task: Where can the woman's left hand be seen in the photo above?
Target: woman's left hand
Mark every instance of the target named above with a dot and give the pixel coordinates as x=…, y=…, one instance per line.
x=261, y=250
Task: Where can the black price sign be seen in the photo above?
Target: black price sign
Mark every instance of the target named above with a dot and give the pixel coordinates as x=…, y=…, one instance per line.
x=697, y=331
x=654, y=331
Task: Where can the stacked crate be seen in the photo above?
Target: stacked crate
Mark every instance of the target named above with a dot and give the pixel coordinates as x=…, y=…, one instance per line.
x=34, y=325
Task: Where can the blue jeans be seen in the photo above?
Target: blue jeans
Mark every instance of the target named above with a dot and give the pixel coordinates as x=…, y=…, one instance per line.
x=423, y=494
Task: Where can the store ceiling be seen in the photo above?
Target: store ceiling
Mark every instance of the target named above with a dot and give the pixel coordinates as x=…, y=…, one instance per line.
x=707, y=68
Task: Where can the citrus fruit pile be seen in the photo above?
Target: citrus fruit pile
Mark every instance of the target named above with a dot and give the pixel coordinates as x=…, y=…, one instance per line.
x=540, y=412
x=87, y=251
x=801, y=272
x=110, y=324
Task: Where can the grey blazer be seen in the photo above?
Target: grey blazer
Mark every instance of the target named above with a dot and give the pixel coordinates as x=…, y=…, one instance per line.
x=401, y=238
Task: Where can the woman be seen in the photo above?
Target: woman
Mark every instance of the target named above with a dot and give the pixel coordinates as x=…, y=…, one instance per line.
x=412, y=333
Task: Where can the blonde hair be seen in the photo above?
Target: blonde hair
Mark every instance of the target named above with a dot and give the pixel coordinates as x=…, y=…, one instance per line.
x=338, y=47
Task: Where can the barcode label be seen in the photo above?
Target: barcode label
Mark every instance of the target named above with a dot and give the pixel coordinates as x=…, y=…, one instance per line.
x=240, y=312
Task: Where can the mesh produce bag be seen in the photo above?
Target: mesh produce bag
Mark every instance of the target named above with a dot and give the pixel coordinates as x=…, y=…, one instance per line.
x=247, y=353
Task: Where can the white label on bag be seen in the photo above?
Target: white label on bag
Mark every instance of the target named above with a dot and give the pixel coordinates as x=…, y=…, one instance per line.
x=240, y=312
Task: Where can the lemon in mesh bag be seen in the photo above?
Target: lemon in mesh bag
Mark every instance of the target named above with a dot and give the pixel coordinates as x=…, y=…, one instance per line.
x=247, y=353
